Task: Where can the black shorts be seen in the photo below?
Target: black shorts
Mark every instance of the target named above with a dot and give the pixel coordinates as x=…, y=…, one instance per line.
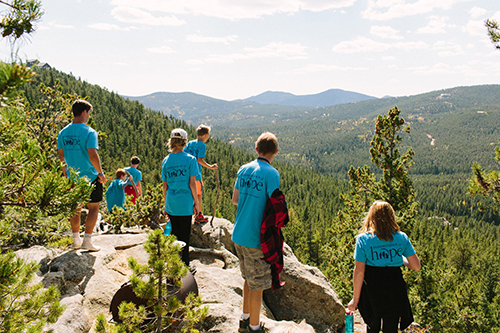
x=96, y=195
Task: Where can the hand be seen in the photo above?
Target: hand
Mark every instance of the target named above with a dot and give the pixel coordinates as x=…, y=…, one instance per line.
x=131, y=178
x=353, y=304
x=101, y=178
x=214, y=166
x=196, y=208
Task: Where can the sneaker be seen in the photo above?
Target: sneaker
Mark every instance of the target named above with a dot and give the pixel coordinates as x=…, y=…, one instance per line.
x=262, y=329
x=200, y=218
x=244, y=325
x=77, y=243
x=87, y=245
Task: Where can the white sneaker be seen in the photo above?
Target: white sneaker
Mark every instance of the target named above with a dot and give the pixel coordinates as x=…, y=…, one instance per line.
x=87, y=245
x=77, y=243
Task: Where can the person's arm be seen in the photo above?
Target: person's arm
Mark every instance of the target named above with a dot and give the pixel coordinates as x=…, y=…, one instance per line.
x=63, y=162
x=165, y=188
x=192, y=185
x=412, y=262
x=206, y=165
x=139, y=187
x=236, y=196
x=96, y=162
x=357, y=283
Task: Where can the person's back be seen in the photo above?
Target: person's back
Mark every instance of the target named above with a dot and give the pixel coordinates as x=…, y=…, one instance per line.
x=255, y=183
x=115, y=194
x=74, y=140
x=137, y=176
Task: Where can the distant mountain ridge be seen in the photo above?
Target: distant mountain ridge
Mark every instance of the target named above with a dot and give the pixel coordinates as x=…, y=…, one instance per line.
x=325, y=98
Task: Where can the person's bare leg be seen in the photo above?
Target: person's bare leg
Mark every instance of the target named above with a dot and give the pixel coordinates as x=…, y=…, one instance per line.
x=246, y=298
x=89, y=227
x=255, y=303
x=91, y=217
x=75, y=220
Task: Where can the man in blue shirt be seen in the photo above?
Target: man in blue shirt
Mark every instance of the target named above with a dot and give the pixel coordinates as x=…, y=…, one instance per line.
x=255, y=183
x=77, y=148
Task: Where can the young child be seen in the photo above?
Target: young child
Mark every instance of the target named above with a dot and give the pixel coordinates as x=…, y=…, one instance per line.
x=115, y=194
x=137, y=175
x=178, y=172
x=255, y=183
x=198, y=148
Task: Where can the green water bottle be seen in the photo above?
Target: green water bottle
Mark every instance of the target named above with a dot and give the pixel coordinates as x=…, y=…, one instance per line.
x=349, y=321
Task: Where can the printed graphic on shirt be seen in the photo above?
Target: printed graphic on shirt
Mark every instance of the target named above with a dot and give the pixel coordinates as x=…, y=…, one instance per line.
x=386, y=252
x=71, y=142
x=251, y=183
x=176, y=173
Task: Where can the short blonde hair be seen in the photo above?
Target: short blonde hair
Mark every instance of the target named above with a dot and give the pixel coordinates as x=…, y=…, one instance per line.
x=176, y=142
x=381, y=220
x=267, y=143
x=202, y=130
x=291, y=327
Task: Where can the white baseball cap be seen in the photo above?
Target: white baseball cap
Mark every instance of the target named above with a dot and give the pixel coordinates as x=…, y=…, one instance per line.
x=179, y=133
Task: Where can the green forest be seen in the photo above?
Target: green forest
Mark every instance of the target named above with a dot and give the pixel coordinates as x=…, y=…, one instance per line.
x=458, y=289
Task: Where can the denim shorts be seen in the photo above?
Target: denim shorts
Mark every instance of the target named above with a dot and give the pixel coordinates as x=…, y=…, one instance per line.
x=254, y=270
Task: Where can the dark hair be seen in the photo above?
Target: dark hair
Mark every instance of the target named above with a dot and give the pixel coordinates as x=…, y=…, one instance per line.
x=267, y=143
x=381, y=220
x=120, y=173
x=202, y=130
x=135, y=160
x=79, y=106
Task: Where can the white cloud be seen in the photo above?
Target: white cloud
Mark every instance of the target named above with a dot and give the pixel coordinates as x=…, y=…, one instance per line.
x=234, y=10
x=194, y=62
x=314, y=68
x=382, y=10
x=436, y=25
x=476, y=28
x=60, y=26
x=204, y=39
x=272, y=50
x=135, y=15
x=447, y=49
x=443, y=68
x=162, y=49
x=385, y=32
x=107, y=26
x=363, y=44
x=477, y=12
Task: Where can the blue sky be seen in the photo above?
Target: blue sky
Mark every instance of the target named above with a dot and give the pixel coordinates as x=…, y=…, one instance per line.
x=231, y=49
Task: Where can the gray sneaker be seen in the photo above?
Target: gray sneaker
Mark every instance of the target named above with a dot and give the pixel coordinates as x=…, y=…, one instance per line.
x=87, y=245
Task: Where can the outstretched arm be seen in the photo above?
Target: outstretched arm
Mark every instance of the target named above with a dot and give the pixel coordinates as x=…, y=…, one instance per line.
x=206, y=165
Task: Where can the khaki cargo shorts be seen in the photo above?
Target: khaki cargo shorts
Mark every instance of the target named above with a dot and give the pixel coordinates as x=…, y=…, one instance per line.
x=254, y=270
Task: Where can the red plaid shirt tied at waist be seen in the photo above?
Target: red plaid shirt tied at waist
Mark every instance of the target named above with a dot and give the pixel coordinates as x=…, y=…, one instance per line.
x=271, y=237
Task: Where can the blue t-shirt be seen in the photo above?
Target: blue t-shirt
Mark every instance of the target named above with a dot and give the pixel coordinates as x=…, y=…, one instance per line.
x=176, y=170
x=74, y=140
x=115, y=194
x=255, y=182
x=136, y=174
x=198, y=149
x=375, y=252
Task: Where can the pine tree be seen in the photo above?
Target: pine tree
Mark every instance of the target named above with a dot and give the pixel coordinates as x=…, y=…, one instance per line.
x=394, y=186
x=148, y=282
x=25, y=307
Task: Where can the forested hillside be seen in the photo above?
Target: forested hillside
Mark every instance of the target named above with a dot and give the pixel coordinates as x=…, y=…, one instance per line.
x=459, y=288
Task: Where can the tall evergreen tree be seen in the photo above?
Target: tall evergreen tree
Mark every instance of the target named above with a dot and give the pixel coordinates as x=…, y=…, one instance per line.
x=394, y=186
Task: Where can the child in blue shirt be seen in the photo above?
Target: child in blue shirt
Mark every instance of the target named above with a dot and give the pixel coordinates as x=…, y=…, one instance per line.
x=198, y=149
x=115, y=194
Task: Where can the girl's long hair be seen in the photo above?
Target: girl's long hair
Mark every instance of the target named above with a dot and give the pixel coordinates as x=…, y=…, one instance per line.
x=381, y=220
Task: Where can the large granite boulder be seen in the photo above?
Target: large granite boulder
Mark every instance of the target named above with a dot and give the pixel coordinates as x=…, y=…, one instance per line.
x=89, y=280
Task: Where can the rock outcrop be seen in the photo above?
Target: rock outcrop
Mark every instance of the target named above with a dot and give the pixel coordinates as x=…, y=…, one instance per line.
x=89, y=280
